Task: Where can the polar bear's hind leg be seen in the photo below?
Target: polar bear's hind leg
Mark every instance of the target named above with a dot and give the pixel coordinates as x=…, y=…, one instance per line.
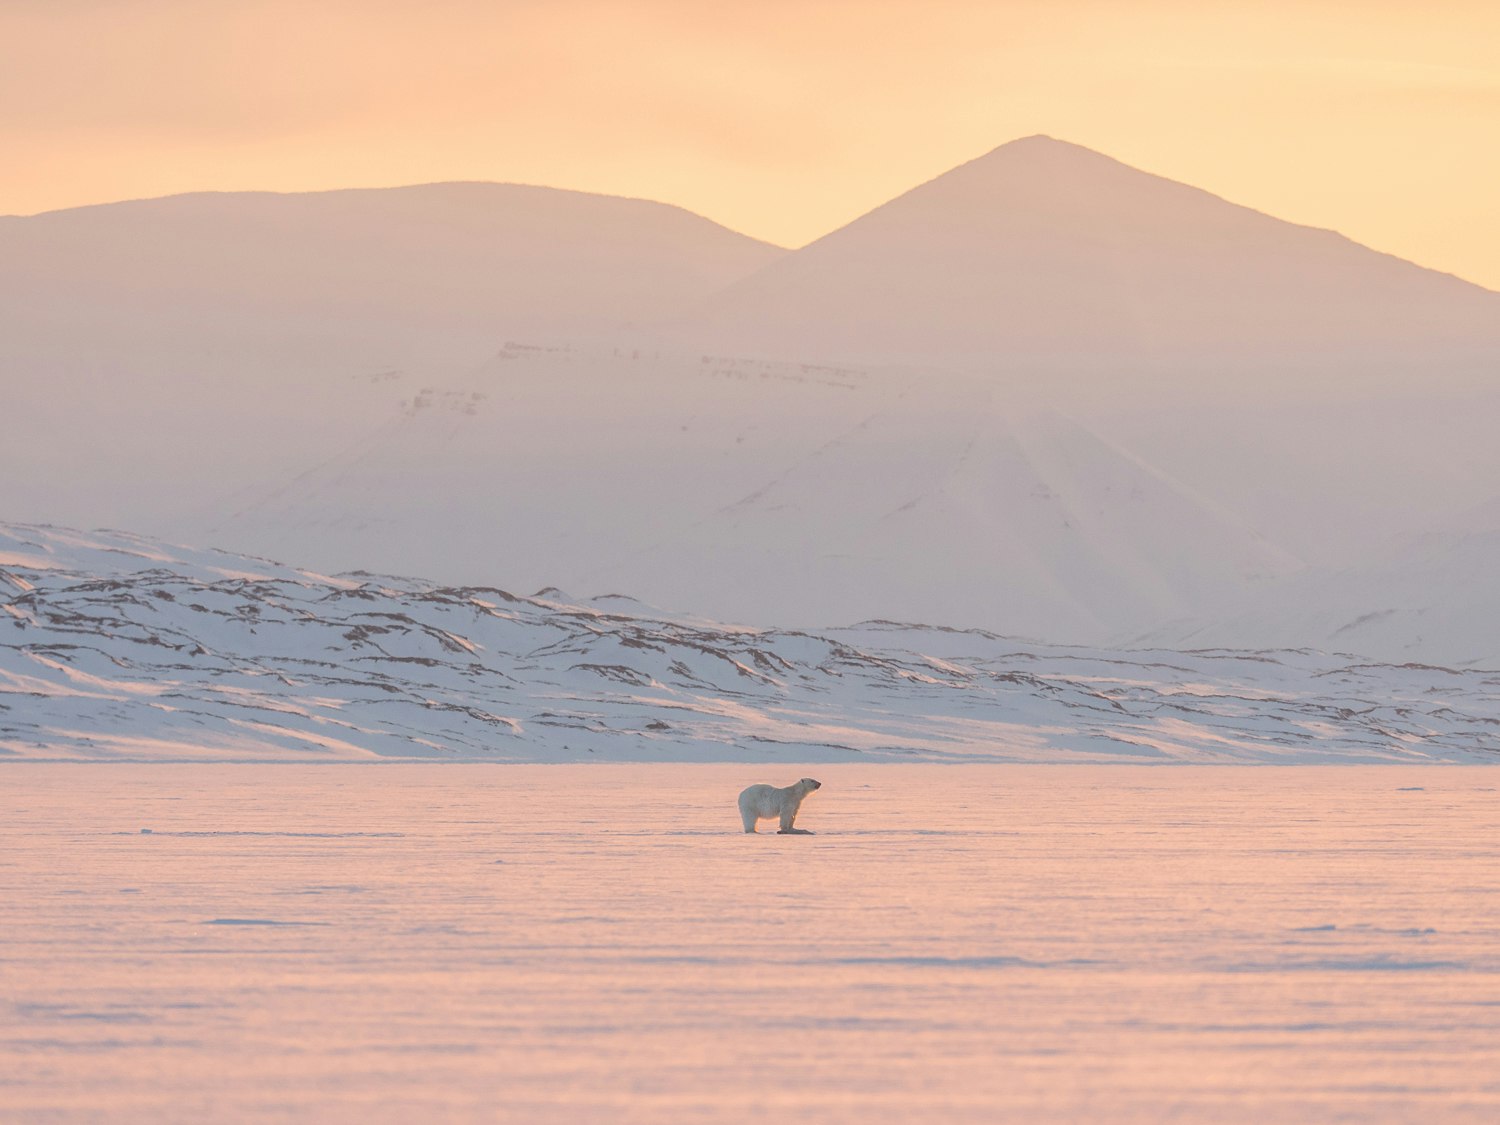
x=750, y=805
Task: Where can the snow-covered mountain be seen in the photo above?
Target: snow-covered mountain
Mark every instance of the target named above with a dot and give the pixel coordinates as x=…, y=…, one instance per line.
x=1045, y=254
x=159, y=358
x=1095, y=405
x=434, y=272
x=116, y=647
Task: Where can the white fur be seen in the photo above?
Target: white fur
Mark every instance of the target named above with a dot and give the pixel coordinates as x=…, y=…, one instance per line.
x=766, y=802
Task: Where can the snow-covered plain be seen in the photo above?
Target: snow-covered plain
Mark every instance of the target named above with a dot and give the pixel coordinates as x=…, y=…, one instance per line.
x=117, y=647
x=601, y=943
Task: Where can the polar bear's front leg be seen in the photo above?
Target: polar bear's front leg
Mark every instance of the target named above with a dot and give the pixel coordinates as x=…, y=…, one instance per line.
x=786, y=825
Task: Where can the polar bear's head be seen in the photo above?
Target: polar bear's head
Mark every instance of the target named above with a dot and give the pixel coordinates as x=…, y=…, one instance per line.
x=807, y=785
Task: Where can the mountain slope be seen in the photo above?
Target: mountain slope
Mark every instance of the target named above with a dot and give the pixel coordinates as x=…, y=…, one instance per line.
x=1434, y=592
x=1043, y=251
x=378, y=276
x=117, y=647
x=160, y=358
x=954, y=510
x=774, y=493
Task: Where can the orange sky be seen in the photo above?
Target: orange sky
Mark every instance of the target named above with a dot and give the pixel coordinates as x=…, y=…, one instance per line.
x=780, y=118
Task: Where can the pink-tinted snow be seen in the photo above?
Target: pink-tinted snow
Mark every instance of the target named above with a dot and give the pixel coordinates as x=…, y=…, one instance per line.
x=601, y=943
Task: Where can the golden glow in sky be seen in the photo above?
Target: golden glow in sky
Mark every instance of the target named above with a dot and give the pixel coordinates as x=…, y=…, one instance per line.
x=781, y=119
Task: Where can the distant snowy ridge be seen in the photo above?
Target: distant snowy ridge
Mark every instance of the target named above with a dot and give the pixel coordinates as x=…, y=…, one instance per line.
x=115, y=647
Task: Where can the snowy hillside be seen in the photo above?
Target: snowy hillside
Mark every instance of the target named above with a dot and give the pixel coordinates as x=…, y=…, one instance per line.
x=118, y=647
x=1436, y=588
x=772, y=493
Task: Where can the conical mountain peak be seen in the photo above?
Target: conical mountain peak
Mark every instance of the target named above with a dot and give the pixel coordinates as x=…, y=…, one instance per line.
x=1043, y=175
x=1043, y=250
x=1040, y=146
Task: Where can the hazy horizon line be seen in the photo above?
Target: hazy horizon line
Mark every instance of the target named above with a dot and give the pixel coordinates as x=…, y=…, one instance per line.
x=716, y=222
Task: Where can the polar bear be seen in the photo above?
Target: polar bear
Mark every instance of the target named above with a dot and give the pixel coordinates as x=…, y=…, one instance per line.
x=766, y=802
